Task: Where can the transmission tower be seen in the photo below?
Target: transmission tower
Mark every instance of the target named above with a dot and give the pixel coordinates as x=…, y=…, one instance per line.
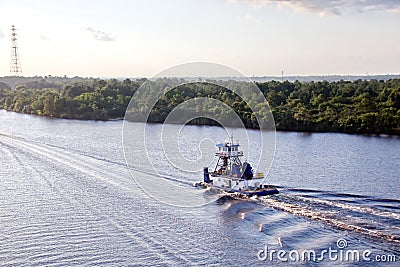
x=15, y=69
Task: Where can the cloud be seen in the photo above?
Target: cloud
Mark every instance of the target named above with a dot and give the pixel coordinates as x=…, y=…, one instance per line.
x=252, y=19
x=100, y=35
x=328, y=7
x=44, y=37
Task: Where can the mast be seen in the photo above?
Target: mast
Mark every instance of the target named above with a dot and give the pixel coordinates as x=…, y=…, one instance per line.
x=228, y=158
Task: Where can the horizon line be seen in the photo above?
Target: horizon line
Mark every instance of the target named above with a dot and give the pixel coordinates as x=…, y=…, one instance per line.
x=247, y=76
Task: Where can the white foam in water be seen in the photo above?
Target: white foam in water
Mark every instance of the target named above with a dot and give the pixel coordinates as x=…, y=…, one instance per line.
x=333, y=218
x=362, y=209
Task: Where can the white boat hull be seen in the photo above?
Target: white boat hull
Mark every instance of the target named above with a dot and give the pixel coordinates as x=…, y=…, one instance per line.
x=250, y=187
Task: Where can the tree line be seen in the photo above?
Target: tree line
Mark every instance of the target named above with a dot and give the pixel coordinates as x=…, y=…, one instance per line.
x=95, y=99
x=359, y=106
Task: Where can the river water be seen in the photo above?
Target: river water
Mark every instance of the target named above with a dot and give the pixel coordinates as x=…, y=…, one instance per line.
x=67, y=198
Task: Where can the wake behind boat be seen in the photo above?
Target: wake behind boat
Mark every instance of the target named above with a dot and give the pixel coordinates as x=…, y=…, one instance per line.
x=232, y=176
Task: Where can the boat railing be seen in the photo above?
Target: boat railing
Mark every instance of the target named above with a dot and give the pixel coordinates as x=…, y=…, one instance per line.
x=229, y=154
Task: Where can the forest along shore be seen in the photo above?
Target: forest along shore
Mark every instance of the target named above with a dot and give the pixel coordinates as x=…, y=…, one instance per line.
x=360, y=106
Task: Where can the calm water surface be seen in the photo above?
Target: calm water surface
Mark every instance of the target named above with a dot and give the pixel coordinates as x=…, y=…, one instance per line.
x=67, y=198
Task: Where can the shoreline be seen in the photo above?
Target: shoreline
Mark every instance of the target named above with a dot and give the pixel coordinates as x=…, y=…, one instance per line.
x=276, y=128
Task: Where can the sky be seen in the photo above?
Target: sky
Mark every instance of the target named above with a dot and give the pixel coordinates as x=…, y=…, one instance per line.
x=256, y=37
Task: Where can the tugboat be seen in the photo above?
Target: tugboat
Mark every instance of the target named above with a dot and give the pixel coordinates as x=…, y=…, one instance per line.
x=233, y=176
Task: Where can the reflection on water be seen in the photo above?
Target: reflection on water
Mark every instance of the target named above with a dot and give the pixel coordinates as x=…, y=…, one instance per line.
x=68, y=199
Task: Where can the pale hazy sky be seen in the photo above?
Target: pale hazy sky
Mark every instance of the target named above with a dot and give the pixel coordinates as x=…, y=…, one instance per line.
x=141, y=38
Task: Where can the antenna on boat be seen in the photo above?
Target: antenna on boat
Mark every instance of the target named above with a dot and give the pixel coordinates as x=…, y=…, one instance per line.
x=232, y=139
